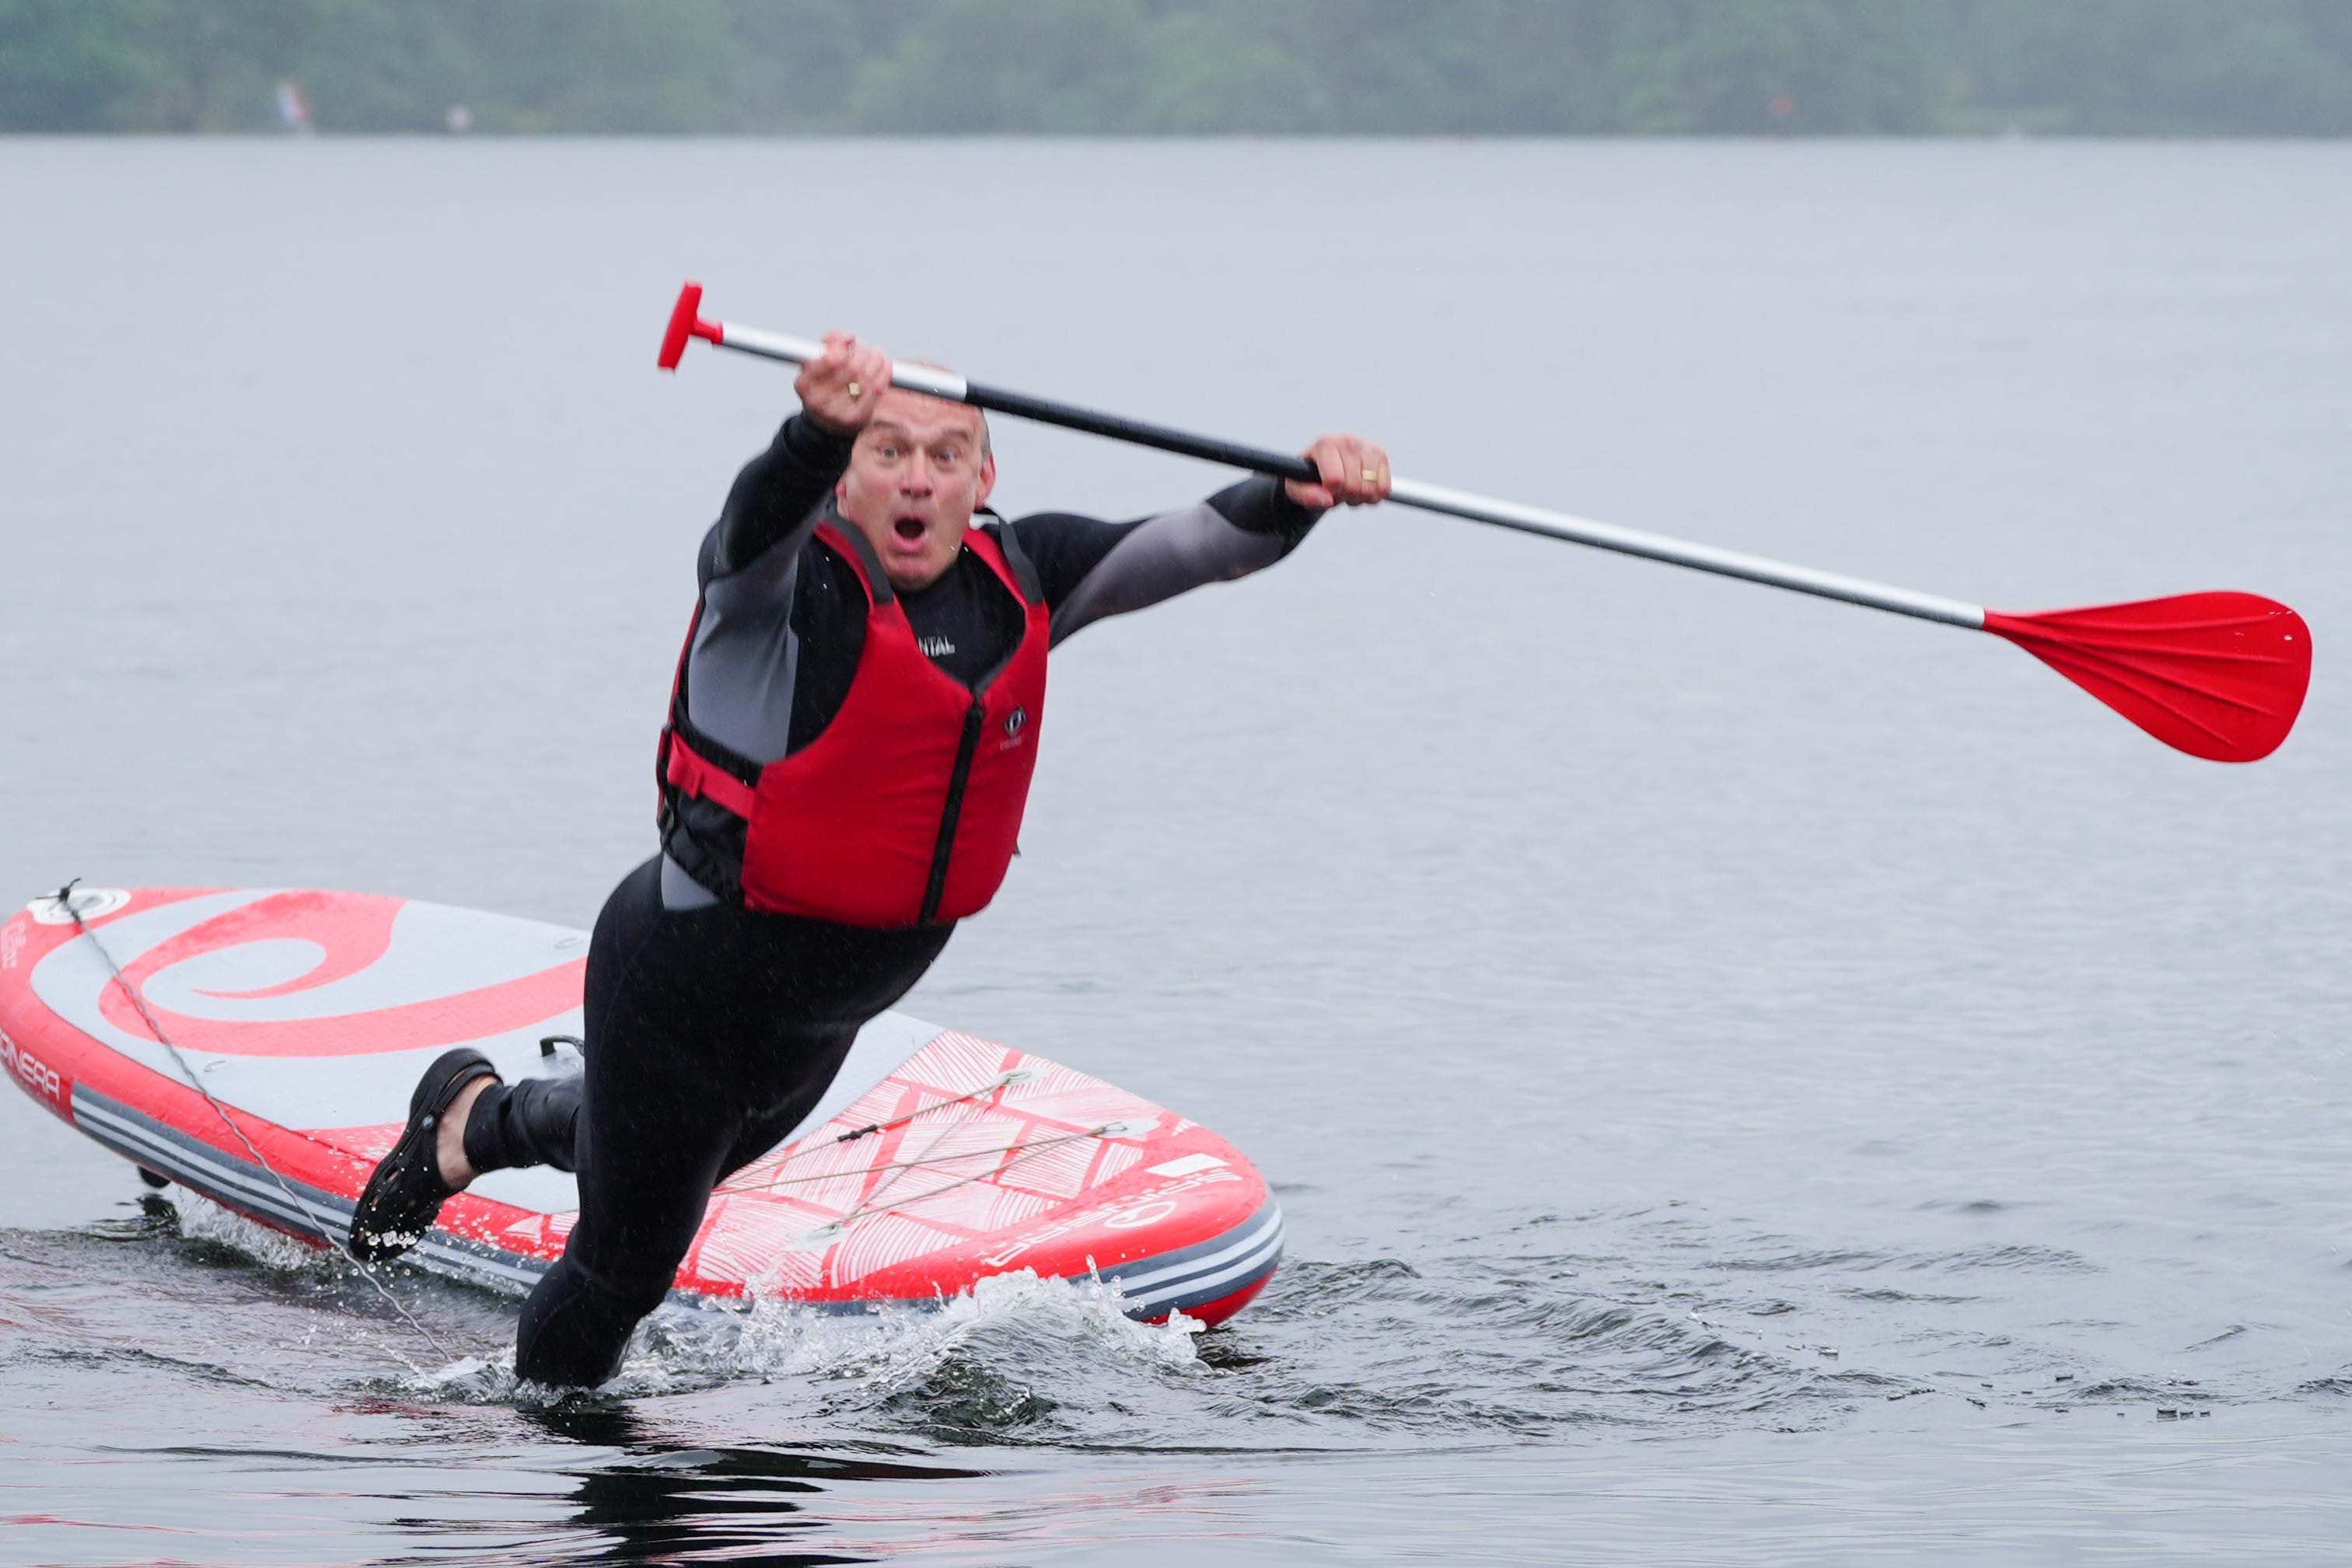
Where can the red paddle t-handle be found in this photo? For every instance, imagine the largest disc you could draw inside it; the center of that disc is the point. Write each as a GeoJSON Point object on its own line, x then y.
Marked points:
{"type": "Point", "coordinates": [685, 322]}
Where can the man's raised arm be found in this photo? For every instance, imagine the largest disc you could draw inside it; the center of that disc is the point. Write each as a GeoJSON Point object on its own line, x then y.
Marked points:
{"type": "Point", "coordinates": [776, 495]}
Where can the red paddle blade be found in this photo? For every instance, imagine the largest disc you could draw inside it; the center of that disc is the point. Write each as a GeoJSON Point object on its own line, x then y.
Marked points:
{"type": "Point", "coordinates": [2219, 675]}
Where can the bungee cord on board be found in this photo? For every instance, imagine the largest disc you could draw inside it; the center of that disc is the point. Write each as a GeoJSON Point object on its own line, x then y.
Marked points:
{"type": "Point", "coordinates": [1019, 1152]}
{"type": "Point", "coordinates": [984, 1098]}
{"type": "Point", "coordinates": [972, 1099]}
{"type": "Point", "coordinates": [326, 1232]}
{"type": "Point", "coordinates": [1023, 1149]}
{"type": "Point", "coordinates": [1002, 1080]}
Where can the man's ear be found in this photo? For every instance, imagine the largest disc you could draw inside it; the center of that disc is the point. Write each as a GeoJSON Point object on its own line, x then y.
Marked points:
{"type": "Point", "coordinates": [841, 490]}
{"type": "Point", "coordinates": [987, 481]}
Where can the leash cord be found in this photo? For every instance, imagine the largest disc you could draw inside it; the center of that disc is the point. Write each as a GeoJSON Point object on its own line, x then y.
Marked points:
{"type": "Point", "coordinates": [326, 1232]}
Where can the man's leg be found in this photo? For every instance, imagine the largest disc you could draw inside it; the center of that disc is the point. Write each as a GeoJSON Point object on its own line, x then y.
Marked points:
{"type": "Point", "coordinates": [651, 1147]}
{"type": "Point", "coordinates": [709, 1037]}
{"type": "Point", "coordinates": [618, 1266]}
{"type": "Point", "coordinates": [653, 1115]}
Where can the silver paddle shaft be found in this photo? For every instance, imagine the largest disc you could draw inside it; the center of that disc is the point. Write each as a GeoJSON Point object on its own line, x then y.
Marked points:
{"type": "Point", "coordinates": [1682, 552]}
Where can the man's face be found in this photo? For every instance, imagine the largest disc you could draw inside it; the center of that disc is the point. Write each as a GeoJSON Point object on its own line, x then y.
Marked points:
{"type": "Point", "coordinates": [916, 476]}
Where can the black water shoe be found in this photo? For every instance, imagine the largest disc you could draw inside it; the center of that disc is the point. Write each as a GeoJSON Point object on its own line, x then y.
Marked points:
{"type": "Point", "coordinates": [407, 1191]}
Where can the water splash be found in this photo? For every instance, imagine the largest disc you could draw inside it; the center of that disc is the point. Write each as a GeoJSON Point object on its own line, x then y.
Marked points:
{"type": "Point", "coordinates": [207, 1223]}
{"type": "Point", "coordinates": [987, 1362]}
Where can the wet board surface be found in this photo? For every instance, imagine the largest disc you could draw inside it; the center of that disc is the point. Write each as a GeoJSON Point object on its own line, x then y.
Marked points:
{"type": "Point", "coordinates": [936, 1159]}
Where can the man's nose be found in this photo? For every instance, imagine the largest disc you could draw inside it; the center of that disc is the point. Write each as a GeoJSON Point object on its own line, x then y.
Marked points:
{"type": "Point", "coordinates": [915, 476]}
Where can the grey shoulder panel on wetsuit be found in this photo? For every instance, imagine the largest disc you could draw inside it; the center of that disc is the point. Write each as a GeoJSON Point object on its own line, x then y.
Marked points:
{"type": "Point", "coordinates": [1161, 557]}
{"type": "Point", "coordinates": [746, 656]}
{"type": "Point", "coordinates": [740, 669]}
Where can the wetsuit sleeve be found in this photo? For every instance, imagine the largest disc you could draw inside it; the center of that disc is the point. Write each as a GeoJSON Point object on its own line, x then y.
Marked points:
{"type": "Point", "coordinates": [776, 497]}
{"type": "Point", "coordinates": [1089, 569]}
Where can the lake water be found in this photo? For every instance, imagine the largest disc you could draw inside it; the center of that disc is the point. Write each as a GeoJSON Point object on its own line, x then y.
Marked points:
{"type": "Point", "coordinates": [1751, 1079]}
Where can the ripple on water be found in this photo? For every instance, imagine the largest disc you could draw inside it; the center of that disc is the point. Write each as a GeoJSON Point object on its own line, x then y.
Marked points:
{"type": "Point", "coordinates": [1888, 1295]}
{"type": "Point", "coordinates": [2009, 1255]}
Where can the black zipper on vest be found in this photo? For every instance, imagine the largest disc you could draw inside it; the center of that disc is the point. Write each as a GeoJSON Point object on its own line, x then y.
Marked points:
{"type": "Point", "coordinates": [974, 719]}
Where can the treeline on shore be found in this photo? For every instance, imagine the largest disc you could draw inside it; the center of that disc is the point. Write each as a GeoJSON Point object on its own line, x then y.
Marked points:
{"type": "Point", "coordinates": [1182, 66]}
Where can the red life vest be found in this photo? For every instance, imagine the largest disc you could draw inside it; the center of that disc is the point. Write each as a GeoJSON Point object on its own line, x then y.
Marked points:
{"type": "Point", "coordinates": [905, 808]}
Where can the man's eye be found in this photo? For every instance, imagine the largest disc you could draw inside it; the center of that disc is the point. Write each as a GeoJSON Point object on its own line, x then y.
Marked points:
{"type": "Point", "coordinates": [887, 452]}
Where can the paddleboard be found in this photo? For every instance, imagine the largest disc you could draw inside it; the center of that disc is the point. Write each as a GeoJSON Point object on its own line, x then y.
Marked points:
{"type": "Point", "coordinates": [258, 1046]}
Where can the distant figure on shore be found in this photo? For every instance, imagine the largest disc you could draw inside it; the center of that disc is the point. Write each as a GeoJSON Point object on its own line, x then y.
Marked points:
{"type": "Point", "coordinates": [293, 109]}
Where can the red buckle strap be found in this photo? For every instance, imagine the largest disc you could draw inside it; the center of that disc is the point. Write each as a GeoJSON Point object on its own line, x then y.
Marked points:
{"type": "Point", "coordinates": [704, 779]}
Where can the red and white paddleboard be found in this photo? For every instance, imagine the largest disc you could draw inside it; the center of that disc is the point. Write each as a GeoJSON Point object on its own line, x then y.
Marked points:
{"type": "Point", "coordinates": [937, 1159]}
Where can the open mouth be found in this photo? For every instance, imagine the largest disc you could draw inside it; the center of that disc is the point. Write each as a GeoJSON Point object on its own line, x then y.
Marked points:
{"type": "Point", "coordinates": [910, 530]}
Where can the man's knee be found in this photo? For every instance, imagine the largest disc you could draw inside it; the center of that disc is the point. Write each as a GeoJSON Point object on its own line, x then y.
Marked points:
{"type": "Point", "coordinates": [575, 1327]}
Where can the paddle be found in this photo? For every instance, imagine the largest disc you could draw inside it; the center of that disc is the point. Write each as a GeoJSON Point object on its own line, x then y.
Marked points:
{"type": "Point", "coordinates": [2219, 675]}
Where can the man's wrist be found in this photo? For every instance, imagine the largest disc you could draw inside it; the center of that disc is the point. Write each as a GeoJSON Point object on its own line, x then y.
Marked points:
{"type": "Point", "coordinates": [812, 444]}
{"type": "Point", "coordinates": [1263, 506]}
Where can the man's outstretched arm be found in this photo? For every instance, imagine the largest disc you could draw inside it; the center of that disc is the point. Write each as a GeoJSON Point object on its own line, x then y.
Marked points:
{"type": "Point", "coordinates": [1090, 569]}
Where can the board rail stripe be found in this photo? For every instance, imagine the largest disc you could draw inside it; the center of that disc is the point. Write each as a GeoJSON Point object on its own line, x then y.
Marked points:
{"type": "Point", "coordinates": [1257, 1262]}
{"type": "Point", "coordinates": [1249, 1236]}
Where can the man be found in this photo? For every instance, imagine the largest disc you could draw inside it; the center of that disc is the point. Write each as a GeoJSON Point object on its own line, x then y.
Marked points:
{"type": "Point", "coordinates": [852, 732]}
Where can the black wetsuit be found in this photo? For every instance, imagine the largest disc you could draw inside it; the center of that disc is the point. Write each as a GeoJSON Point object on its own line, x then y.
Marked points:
{"type": "Point", "coordinates": [711, 1031]}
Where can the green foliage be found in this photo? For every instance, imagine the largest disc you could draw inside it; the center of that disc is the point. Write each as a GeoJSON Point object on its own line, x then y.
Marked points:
{"type": "Point", "coordinates": [1753, 65]}
{"type": "Point", "coordinates": [1188, 67]}
{"type": "Point", "coordinates": [61, 68]}
{"type": "Point", "coordinates": [148, 65]}
{"type": "Point", "coordinates": [2130, 67]}
{"type": "Point", "coordinates": [1053, 66]}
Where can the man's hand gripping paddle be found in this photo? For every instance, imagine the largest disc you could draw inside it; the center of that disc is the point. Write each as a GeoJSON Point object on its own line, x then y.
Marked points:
{"type": "Point", "coordinates": [2219, 675]}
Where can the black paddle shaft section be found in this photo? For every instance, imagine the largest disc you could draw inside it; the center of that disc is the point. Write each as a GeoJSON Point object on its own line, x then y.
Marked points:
{"type": "Point", "coordinates": [1258, 459]}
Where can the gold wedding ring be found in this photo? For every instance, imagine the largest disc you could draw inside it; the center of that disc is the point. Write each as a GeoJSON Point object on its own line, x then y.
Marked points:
{"type": "Point", "coordinates": [856, 391]}
{"type": "Point", "coordinates": [1371, 475]}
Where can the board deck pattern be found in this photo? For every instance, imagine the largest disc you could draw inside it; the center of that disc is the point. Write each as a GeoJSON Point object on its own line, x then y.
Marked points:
{"type": "Point", "coordinates": [937, 1160]}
